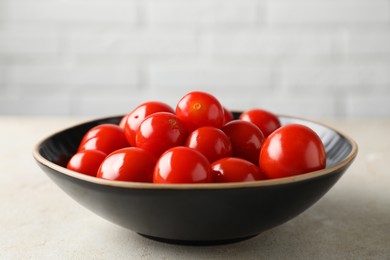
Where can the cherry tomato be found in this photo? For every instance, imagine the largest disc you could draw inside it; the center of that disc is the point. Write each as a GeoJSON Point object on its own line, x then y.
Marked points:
{"type": "Point", "coordinates": [232, 169]}
{"type": "Point", "coordinates": [159, 132]}
{"type": "Point", "coordinates": [228, 116]}
{"type": "Point", "coordinates": [265, 120]}
{"type": "Point", "coordinates": [128, 164]}
{"type": "Point", "coordinates": [291, 150]}
{"type": "Point", "coordinates": [122, 123]}
{"type": "Point", "coordinates": [246, 139]}
{"type": "Point", "coordinates": [197, 109]}
{"type": "Point", "coordinates": [86, 162]}
{"type": "Point", "coordinates": [135, 117]}
{"type": "Point", "coordinates": [105, 137]}
{"type": "Point", "coordinates": [182, 165]}
{"type": "Point", "coordinates": [211, 142]}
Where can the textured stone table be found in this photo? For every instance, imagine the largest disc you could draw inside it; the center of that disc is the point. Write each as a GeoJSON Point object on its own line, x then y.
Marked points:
{"type": "Point", "coordinates": [39, 221]}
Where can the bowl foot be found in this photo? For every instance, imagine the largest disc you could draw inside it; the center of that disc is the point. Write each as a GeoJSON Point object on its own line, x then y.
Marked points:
{"type": "Point", "coordinates": [198, 242]}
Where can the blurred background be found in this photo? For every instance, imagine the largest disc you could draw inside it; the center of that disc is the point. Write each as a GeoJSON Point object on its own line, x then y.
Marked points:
{"type": "Point", "coordinates": [311, 58]}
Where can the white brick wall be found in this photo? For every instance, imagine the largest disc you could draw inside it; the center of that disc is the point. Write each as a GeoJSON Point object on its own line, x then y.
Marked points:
{"type": "Point", "coordinates": [314, 58]}
{"type": "Point", "coordinates": [71, 11]}
{"type": "Point", "coordinates": [201, 13]}
{"type": "Point", "coordinates": [332, 12]}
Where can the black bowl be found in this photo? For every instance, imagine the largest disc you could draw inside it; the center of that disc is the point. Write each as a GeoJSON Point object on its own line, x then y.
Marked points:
{"type": "Point", "coordinates": [195, 213]}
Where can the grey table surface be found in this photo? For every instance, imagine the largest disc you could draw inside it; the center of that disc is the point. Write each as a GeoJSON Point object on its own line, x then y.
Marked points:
{"type": "Point", "coordinates": [39, 221]}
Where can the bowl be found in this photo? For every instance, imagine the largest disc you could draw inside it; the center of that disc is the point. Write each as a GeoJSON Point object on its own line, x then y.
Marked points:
{"type": "Point", "coordinates": [201, 214]}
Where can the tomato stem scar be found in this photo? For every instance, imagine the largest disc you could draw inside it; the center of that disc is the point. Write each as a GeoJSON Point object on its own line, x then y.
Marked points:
{"type": "Point", "coordinates": [197, 106]}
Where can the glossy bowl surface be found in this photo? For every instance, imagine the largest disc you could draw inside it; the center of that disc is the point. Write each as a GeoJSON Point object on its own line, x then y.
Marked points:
{"type": "Point", "coordinates": [195, 213]}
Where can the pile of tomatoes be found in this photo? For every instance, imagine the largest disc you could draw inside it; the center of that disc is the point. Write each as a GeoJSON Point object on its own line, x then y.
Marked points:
{"type": "Point", "coordinates": [197, 142]}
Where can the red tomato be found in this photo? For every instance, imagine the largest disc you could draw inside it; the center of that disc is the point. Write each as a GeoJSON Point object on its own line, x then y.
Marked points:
{"type": "Point", "coordinates": [211, 142]}
{"type": "Point", "coordinates": [291, 150]}
{"type": "Point", "coordinates": [159, 132]}
{"type": "Point", "coordinates": [86, 162]}
{"type": "Point", "coordinates": [135, 117]}
{"type": "Point", "coordinates": [246, 139]}
{"type": "Point", "coordinates": [105, 137]}
{"type": "Point", "coordinates": [233, 169]}
{"type": "Point", "coordinates": [228, 116]}
{"type": "Point", "coordinates": [197, 109]}
{"type": "Point", "coordinates": [182, 165]}
{"type": "Point", "coordinates": [128, 164]}
{"type": "Point", "coordinates": [266, 121]}
{"type": "Point", "coordinates": [122, 123]}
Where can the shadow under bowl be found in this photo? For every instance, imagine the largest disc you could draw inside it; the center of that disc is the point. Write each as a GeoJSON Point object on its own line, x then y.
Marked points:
{"type": "Point", "coordinates": [200, 214]}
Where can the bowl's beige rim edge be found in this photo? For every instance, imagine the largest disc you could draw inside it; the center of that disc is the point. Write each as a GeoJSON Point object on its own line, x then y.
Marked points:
{"type": "Point", "coordinates": [138, 185]}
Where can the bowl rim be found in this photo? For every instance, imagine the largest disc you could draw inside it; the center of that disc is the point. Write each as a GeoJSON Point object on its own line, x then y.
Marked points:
{"type": "Point", "coordinates": [198, 186]}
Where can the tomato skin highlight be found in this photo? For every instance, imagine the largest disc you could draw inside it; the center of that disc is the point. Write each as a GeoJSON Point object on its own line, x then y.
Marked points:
{"type": "Point", "coordinates": [105, 137]}
{"type": "Point", "coordinates": [292, 150]}
{"type": "Point", "coordinates": [211, 142]}
{"type": "Point", "coordinates": [182, 165]}
{"type": "Point", "coordinates": [128, 164]}
{"type": "Point", "coordinates": [123, 121]}
{"type": "Point", "coordinates": [159, 132]}
{"type": "Point", "coordinates": [137, 115]}
{"type": "Point", "coordinates": [197, 109]}
{"type": "Point", "coordinates": [232, 169]}
{"type": "Point", "coordinates": [86, 162]}
{"type": "Point", "coordinates": [265, 120]}
{"type": "Point", "coordinates": [246, 139]}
